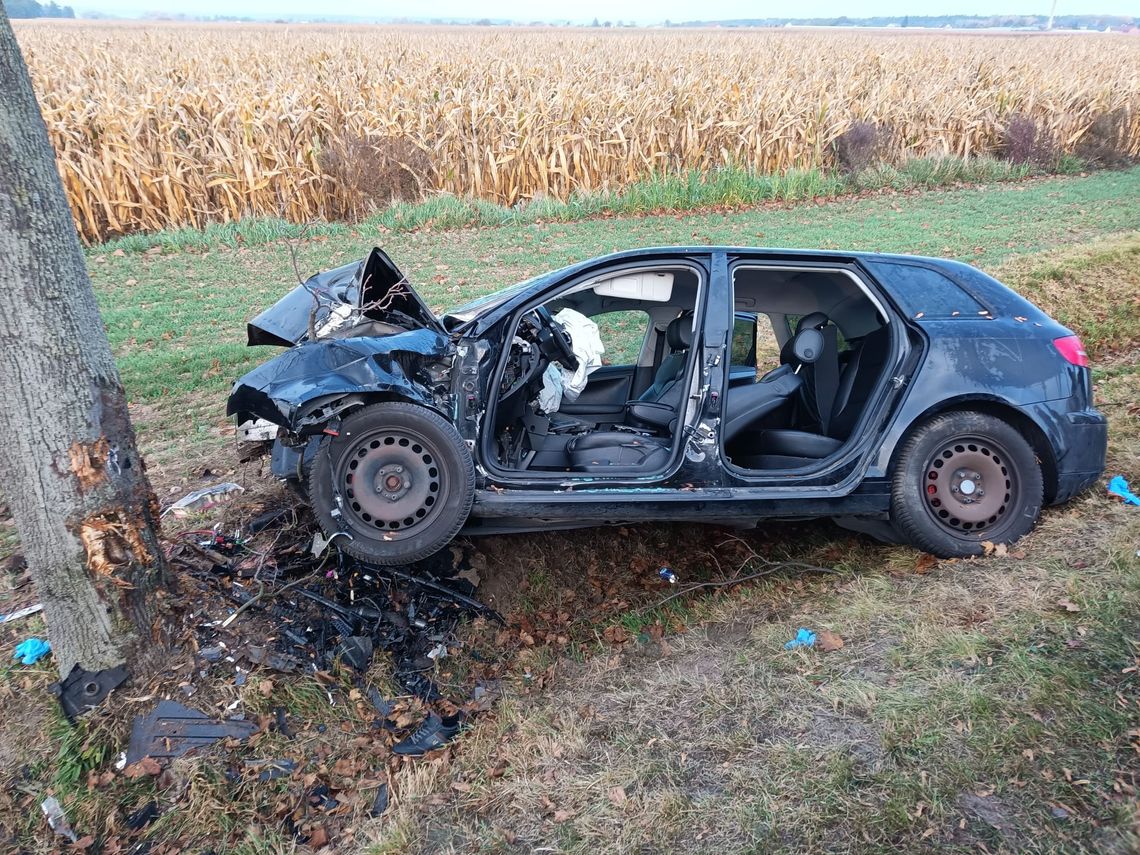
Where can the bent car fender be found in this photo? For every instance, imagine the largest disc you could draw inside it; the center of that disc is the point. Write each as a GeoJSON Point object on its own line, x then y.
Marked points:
{"type": "Point", "coordinates": [415, 365]}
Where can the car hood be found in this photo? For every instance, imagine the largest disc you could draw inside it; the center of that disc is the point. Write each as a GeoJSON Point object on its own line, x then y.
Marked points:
{"type": "Point", "coordinates": [372, 288]}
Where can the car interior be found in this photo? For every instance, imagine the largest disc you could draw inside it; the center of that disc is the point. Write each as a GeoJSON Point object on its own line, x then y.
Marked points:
{"type": "Point", "coordinates": [626, 417]}
{"type": "Point", "coordinates": [809, 349]}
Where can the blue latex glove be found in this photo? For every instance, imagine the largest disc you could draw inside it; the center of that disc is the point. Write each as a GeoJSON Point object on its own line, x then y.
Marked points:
{"type": "Point", "coordinates": [1118, 486]}
{"type": "Point", "coordinates": [804, 638]}
{"type": "Point", "coordinates": [31, 651]}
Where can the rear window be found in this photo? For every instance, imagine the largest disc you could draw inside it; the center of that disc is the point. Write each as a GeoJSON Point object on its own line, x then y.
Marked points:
{"type": "Point", "coordinates": [923, 292]}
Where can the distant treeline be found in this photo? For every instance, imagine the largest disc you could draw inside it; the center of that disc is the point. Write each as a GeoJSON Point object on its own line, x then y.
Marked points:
{"type": "Point", "coordinates": [32, 9]}
{"type": "Point", "coordinates": [963, 22]}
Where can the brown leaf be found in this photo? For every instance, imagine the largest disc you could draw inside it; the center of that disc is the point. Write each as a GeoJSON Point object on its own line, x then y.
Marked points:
{"type": "Point", "coordinates": [828, 641]}
{"type": "Point", "coordinates": [146, 766]}
{"type": "Point", "coordinates": [616, 635]}
{"type": "Point", "coordinates": [924, 563]}
{"type": "Point", "coordinates": [265, 687]}
{"type": "Point", "coordinates": [318, 838]}
{"type": "Point", "coordinates": [988, 547]}
{"type": "Point", "coordinates": [562, 815]}
{"type": "Point", "coordinates": [617, 795]}
{"type": "Point", "coordinates": [1068, 605]}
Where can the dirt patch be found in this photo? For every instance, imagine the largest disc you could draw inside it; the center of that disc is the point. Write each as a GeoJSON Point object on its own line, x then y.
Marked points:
{"type": "Point", "coordinates": [993, 812]}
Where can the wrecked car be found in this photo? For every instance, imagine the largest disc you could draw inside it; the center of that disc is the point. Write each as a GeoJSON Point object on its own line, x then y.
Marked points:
{"type": "Point", "coordinates": [915, 399]}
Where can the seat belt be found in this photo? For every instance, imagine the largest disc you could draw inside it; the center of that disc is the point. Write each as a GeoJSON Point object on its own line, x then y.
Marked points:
{"type": "Point", "coordinates": [827, 376]}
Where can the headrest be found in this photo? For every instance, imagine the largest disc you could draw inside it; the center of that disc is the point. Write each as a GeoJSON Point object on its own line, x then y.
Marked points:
{"type": "Point", "coordinates": [812, 321]}
{"type": "Point", "coordinates": [807, 345]}
{"type": "Point", "coordinates": [679, 333]}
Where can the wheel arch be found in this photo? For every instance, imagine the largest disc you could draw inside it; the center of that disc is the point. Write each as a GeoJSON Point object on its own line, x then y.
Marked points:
{"type": "Point", "coordinates": [998, 408]}
{"type": "Point", "coordinates": [317, 412]}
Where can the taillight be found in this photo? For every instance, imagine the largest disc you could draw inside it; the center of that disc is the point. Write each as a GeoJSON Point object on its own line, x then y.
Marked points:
{"type": "Point", "coordinates": [1070, 347]}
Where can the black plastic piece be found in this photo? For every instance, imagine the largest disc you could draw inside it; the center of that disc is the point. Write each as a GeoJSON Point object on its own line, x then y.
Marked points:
{"type": "Point", "coordinates": [172, 730]}
{"type": "Point", "coordinates": [81, 691]}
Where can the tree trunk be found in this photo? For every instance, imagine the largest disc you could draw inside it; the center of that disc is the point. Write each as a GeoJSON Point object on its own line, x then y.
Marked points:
{"type": "Point", "coordinates": [77, 488]}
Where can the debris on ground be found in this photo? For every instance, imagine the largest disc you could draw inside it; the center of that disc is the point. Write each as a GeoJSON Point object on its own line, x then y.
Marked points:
{"type": "Point", "coordinates": [435, 732]}
{"type": "Point", "coordinates": [271, 770]}
{"type": "Point", "coordinates": [172, 730]}
{"type": "Point", "coordinates": [380, 803]}
{"type": "Point", "coordinates": [667, 575]}
{"type": "Point", "coordinates": [204, 499]}
{"type": "Point", "coordinates": [57, 819]}
{"type": "Point", "coordinates": [306, 610]}
{"type": "Point", "coordinates": [31, 650]}
{"type": "Point", "coordinates": [804, 638]}
{"type": "Point", "coordinates": [144, 816]}
{"type": "Point", "coordinates": [21, 613]}
{"type": "Point", "coordinates": [1118, 487]}
{"type": "Point", "coordinates": [81, 690]}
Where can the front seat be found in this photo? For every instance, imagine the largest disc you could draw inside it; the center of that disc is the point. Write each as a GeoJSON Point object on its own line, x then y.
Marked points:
{"type": "Point", "coordinates": [607, 450]}
{"type": "Point", "coordinates": [657, 406]}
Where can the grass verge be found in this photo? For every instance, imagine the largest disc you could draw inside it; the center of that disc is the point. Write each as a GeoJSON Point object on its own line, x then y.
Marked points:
{"type": "Point", "coordinates": [732, 187]}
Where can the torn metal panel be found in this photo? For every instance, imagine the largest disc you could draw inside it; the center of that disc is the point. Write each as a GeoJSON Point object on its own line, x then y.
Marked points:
{"type": "Point", "coordinates": [413, 365]}
{"type": "Point", "coordinates": [341, 299]}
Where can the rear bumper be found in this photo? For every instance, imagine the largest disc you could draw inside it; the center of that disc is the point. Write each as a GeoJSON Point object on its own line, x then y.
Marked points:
{"type": "Point", "coordinates": [1081, 459]}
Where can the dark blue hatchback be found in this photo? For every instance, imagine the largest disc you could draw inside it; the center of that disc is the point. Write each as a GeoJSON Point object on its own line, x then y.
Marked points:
{"type": "Point", "coordinates": [916, 399]}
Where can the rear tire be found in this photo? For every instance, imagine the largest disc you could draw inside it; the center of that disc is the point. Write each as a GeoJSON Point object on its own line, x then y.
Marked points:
{"type": "Point", "coordinates": [399, 479]}
{"type": "Point", "coordinates": [962, 479]}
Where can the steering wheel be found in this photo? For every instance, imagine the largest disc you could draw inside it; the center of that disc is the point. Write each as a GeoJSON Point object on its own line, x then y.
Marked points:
{"type": "Point", "coordinates": [563, 346]}
{"type": "Point", "coordinates": [527, 375]}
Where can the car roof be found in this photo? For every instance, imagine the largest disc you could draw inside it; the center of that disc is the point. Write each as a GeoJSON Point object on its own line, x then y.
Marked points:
{"type": "Point", "coordinates": [979, 281]}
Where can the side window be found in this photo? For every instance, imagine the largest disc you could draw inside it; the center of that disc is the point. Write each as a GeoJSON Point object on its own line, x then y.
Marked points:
{"type": "Point", "coordinates": [754, 344]}
{"type": "Point", "coordinates": [623, 334]}
{"type": "Point", "coordinates": [744, 341]}
{"type": "Point", "coordinates": [923, 292]}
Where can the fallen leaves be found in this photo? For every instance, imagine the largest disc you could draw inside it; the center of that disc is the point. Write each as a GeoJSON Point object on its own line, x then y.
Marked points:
{"type": "Point", "coordinates": [1068, 605]}
{"type": "Point", "coordinates": [924, 563]}
{"type": "Point", "coordinates": [146, 766]}
{"type": "Point", "coordinates": [828, 641]}
{"type": "Point", "coordinates": [616, 634]}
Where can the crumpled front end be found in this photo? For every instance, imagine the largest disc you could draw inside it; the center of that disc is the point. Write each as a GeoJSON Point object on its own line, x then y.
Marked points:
{"type": "Point", "coordinates": [311, 383]}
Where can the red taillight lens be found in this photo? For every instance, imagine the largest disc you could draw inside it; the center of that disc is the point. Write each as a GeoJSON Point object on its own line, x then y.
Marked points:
{"type": "Point", "coordinates": [1071, 348]}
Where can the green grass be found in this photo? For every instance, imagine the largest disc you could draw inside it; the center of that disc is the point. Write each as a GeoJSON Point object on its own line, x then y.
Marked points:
{"type": "Point", "coordinates": [675, 192]}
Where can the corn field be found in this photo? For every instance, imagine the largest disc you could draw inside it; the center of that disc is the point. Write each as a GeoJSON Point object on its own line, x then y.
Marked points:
{"type": "Point", "coordinates": [162, 125]}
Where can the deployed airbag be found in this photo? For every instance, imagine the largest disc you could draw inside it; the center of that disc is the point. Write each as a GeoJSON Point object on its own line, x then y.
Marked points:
{"type": "Point", "coordinates": [586, 342]}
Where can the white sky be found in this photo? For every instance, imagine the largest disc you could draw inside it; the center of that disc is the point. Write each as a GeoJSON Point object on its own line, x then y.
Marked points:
{"type": "Point", "coordinates": [642, 11]}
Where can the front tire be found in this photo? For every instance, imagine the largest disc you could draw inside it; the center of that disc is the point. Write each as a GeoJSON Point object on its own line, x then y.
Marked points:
{"type": "Point", "coordinates": [962, 479]}
{"type": "Point", "coordinates": [398, 478]}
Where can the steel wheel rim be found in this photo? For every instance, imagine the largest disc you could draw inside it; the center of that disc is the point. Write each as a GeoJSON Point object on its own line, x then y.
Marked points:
{"type": "Point", "coordinates": [969, 486]}
{"type": "Point", "coordinates": [392, 483]}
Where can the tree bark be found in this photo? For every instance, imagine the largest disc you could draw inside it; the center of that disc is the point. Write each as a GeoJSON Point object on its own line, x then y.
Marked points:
{"type": "Point", "coordinates": [84, 510]}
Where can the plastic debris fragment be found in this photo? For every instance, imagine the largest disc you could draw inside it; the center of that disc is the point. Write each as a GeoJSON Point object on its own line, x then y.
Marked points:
{"type": "Point", "coordinates": [804, 638]}
{"type": "Point", "coordinates": [57, 819]}
{"type": "Point", "coordinates": [667, 575]}
{"type": "Point", "coordinates": [21, 613]}
{"type": "Point", "coordinates": [1119, 487]}
{"type": "Point", "coordinates": [204, 499]}
{"type": "Point", "coordinates": [31, 650]}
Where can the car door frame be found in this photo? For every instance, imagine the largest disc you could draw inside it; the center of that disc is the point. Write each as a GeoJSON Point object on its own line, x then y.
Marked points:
{"type": "Point", "coordinates": [492, 477]}
{"type": "Point", "coordinates": [844, 472]}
